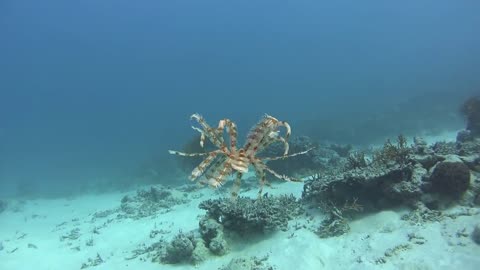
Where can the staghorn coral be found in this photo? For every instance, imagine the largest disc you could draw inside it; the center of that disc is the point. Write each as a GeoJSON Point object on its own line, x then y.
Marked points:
{"type": "Point", "coordinates": [398, 153]}
{"type": "Point", "coordinates": [356, 160]}
{"type": "Point", "coordinates": [220, 163]}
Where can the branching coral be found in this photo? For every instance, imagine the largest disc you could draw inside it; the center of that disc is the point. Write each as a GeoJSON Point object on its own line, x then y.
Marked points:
{"type": "Point", "coordinates": [393, 153]}
{"type": "Point", "coordinates": [356, 160]}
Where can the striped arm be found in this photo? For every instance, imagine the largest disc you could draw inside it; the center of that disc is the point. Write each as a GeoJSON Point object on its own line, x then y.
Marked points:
{"type": "Point", "coordinates": [211, 133]}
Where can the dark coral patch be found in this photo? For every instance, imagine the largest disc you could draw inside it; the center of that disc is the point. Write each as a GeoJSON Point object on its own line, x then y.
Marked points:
{"type": "Point", "coordinates": [451, 178]}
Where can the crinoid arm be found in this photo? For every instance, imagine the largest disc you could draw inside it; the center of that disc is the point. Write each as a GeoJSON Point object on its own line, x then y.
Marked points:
{"type": "Point", "coordinates": [200, 169]}
{"type": "Point", "coordinates": [288, 156]}
{"type": "Point", "coordinates": [271, 138]}
{"type": "Point", "coordinates": [236, 186]}
{"type": "Point", "coordinates": [260, 174]}
{"type": "Point", "coordinates": [173, 152]}
{"type": "Point", "coordinates": [218, 174]}
{"type": "Point", "coordinates": [212, 134]}
{"type": "Point", "coordinates": [265, 133]}
{"type": "Point", "coordinates": [279, 176]}
{"type": "Point", "coordinates": [202, 136]}
{"type": "Point", "coordinates": [232, 132]}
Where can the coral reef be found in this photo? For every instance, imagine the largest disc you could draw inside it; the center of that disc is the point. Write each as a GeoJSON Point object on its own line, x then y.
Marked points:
{"type": "Point", "coordinates": [419, 176]}
{"type": "Point", "coordinates": [392, 154]}
{"type": "Point", "coordinates": [3, 206]}
{"type": "Point", "coordinates": [252, 216]}
{"type": "Point", "coordinates": [148, 202]}
{"type": "Point", "coordinates": [471, 110]}
{"type": "Point", "coordinates": [356, 160]}
{"type": "Point", "coordinates": [450, 178]}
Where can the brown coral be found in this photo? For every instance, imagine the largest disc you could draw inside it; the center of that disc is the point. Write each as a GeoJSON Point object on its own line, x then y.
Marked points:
{"type": "Point", "coordinates": [451, 178]}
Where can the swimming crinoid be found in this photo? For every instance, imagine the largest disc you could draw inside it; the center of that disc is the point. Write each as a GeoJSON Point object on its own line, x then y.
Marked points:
{"type": "Point", "coordinates": [224, 161]}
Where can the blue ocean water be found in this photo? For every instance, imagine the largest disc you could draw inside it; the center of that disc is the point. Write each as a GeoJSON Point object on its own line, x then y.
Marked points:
{"type": "Point", "coordinates": [95, 89]}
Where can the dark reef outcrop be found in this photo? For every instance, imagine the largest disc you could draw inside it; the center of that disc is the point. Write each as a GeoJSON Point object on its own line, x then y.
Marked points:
{"type": "Point", "coordinates": [3, 206]}
{"type": "Point", "coordinates": [471, 111]}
